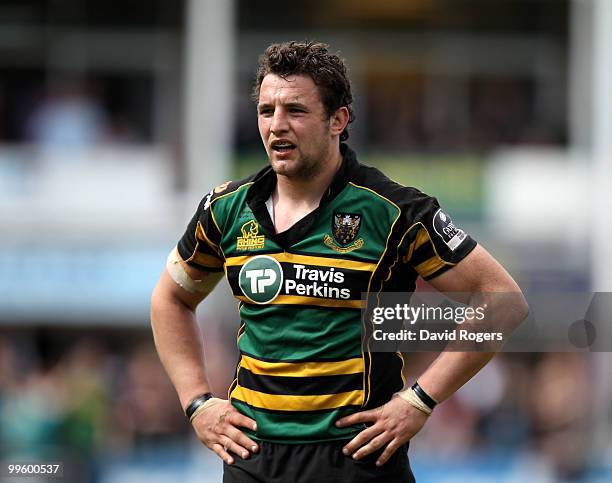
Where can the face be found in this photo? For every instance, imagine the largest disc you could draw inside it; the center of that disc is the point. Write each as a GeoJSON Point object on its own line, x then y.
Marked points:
{"type": "Point", "coordinates": [298, 135]}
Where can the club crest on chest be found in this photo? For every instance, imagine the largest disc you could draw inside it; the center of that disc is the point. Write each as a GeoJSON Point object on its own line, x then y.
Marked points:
{"type": "Point", "coordinates": [345, 228]}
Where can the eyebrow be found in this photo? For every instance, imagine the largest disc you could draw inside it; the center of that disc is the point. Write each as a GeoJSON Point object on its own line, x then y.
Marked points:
{"type": "Point", "coordinates": [288, 105]}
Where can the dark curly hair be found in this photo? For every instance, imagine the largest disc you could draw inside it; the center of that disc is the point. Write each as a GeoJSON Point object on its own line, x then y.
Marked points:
{"type": "Point", "coordinates": [327, 70]}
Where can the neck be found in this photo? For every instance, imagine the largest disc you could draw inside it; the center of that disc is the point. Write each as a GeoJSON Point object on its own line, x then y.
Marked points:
{"type": "Point", "coordinates": [308, 191]}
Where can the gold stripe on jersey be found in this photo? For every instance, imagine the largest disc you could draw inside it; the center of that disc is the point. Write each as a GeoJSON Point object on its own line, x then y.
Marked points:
{"type": "Point", "coordinates": [286, 402]}
{"type": "Point", "coordinates": [316, 301]}
{"type": "Point", "coordinates": [367, 380]}
{"type": "Point", "coordinates": [207, 260]}
{"type": "Point", "coordinates": [421, 238]}
{"type": "Point", "coordinates": [201, 235]}
{"type": "Point", "coordinates": [303, 369]}
{"type": "Point", "coordinates": [306, 260]}
{"type": "Point", "coordinates": [430, 266]}
{"type": "Point", "coordinates": [240, 333]}
{"type": "Point", "coordinates": [229, 193]}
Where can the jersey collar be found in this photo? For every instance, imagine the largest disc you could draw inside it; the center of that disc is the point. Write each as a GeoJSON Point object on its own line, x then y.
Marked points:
{"type": "Point", "coordinates": [265, 181]}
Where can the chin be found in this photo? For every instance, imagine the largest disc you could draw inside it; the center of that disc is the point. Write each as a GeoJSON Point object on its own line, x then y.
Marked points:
{"type": "Point", "coordinates": [285, 167]}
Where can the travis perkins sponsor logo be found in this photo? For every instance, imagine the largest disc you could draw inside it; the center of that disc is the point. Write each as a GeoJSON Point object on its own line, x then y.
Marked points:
{"type": "Point", "coordinates": [262, 278]}
{"type": "Point", "coordinates": [319, 283]}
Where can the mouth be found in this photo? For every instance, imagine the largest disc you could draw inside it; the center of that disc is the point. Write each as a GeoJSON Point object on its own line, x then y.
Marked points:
{"type": "Point", "coordinates": [282, 146]}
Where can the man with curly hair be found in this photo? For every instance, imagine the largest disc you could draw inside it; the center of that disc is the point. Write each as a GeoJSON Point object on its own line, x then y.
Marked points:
{"type": "Point", "coordinates": [299, 242]}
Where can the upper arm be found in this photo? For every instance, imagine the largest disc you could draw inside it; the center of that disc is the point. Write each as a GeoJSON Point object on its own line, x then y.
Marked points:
{"type": "Point", "coordinates": [477, 272]}
{"type": "Point", "coordinates": [448, 258]}
{"type": "Point", "coordinates": [474, 281]}
{"type": "Point", "coordinates": [169, 290]}
{"type": "Point", "coordinates": [433, 244]}
{"type": "Point", "coordinates": [199, 246]}
{"type": "Point", "coordinates": [196, 264]}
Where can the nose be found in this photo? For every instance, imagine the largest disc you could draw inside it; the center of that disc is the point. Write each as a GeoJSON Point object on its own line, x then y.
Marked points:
{"type": "Point", "coordinates": [279, 122]}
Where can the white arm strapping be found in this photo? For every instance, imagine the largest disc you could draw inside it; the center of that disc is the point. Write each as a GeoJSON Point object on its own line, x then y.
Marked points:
{"type": "Point", "coordinates": [174, 265]}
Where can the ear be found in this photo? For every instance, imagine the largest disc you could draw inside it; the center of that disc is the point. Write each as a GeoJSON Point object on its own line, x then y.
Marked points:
{"type": "Point", "coordinates": [338, 121]}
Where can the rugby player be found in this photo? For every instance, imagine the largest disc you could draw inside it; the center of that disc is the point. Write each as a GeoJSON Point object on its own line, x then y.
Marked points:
{"type": "Point", "coordinates": [299, 242]}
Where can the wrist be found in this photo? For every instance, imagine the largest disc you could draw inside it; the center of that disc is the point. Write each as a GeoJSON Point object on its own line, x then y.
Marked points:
{"type": "Point", "coordinates": [427, 399]}
{"type": "Point", "coordinates": [196, 403]}
{"type": "Point", "coordinates": [418, 398]}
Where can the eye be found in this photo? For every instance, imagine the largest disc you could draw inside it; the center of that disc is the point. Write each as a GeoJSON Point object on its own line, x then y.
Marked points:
{"type": "Point", "coordinates": [266, 111]}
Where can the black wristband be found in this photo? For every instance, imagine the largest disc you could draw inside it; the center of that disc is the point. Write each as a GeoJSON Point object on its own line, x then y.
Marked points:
{"type": "Point", "coordinates": [423, 396]}
{"type": "Point", "coordinates": [196, 403]}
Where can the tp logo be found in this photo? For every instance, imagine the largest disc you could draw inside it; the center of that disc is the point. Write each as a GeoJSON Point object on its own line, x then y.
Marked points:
{"type": "Point", "coordinates": [261, 279]}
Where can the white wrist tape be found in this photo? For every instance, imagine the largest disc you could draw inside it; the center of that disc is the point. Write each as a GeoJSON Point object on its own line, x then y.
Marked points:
{"type": "Point", "coordinates": [411, 398]}
{"type": "Point", "coordinates": [206, 405]}
{"type": "Point", "coordinates": [174, 265]}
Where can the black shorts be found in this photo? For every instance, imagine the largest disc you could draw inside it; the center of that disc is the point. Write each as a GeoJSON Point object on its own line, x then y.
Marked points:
{"type": "Point", "coordinates": [316, 463]}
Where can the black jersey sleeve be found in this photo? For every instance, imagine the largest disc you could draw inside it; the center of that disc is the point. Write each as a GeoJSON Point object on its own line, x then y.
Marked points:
{"type": "Point", "coordinates": [436, 243]}
{"type": "Point", "coordinates": [199, 245]}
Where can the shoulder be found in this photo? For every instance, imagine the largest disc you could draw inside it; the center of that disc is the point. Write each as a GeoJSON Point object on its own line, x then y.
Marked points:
{"type": "Point", "coordinates": [226, 190]}
{"type": "Point", "coordinates": [229, 190]}
{"type": "Point", "coordinates": [407, 199]}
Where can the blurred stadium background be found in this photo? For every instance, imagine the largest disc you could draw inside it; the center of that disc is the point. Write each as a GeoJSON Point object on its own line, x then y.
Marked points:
{"type": "Point", "coordinates": [116, 119]}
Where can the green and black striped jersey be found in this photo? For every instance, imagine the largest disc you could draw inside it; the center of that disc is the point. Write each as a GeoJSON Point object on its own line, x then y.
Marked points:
{"type": "Point", "coordinates": [303, 364]}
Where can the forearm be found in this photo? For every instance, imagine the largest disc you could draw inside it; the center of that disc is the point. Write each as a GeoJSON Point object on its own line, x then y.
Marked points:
{"type": "Point", "coordinates": [454, 366]}
{"type": "Point", "coordinates": [178, 341]}
{"type": "Point", "coordinates": [450, 371]}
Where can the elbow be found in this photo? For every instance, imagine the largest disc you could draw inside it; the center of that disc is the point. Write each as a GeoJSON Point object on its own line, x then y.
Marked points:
{"type": "Point", "coordinates": [154, 304]}
{"type": "Point", "coordinates": [516, 306]}
{"type": "Point", "coordinates": [519, 305]}
{"type": "Point", "coordinates": [521, 308]}
{"type": "Point", "coordinates": [508, 305]}
{"type": "Point", "coordinates": [524, 307]}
